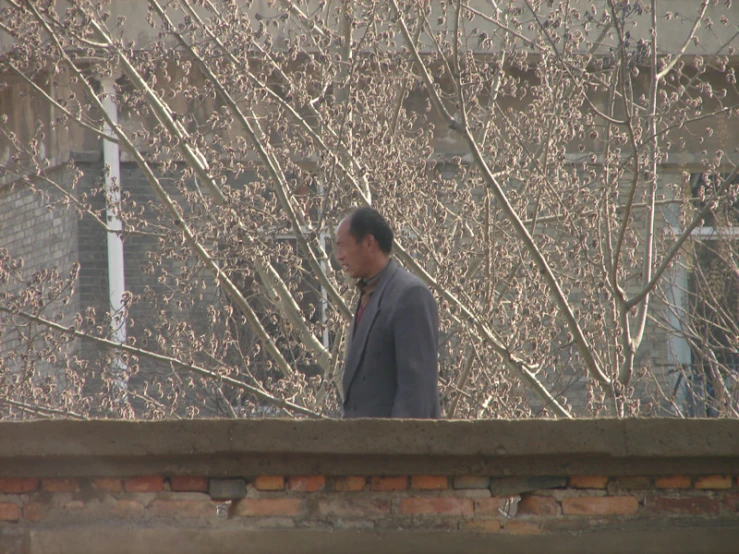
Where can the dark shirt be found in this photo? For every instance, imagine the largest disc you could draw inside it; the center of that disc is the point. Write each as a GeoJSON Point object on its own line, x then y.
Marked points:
{"type": "Point", "coordinates": [366, 288]}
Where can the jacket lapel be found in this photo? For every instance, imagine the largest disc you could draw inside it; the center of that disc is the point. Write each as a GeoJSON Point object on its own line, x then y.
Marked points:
{"type": "Point", "coordinates": [357, 340]}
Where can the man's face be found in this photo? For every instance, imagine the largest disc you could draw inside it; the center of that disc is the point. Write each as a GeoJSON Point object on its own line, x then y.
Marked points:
{"type": "Point", "coordinates": [352, 255]}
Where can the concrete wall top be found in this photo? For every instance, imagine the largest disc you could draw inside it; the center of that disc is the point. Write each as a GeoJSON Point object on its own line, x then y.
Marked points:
{"type": "Point", "coordinates": [229, 447]}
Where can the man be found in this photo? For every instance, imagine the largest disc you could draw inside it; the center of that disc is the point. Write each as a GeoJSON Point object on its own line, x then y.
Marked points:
{"type": "Point", "coordinates": [391, 363]}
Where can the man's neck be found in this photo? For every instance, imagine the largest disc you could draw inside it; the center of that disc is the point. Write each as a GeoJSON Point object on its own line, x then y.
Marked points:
{"type": "Point", "coordinates": [377, 269]}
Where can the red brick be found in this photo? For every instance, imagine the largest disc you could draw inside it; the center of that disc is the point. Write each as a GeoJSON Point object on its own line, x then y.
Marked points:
{"type": "Point", "coordinates": [306, 483]}
{"type": "Point", "coordinates": [471, 482]}
{"type": "Point", "coordinates": [588, 482]}
{"type": "Point", "coordinates": [35, 511]}
{"type": "Point", "coordinates": [481, 525]}
{"type": "Point", "coordinates": [488, 506]}
{"type": "Point", "coordinates": [269, 483]}
{"type": "Point", "coordinates": [429, 482]}
{"type": "Point", "coordinates": [350, 484]}
{"type": "Point", "coordinates": [18, 485]}
{"type": "Point", "coordinates": [9, 512]}
{"type": "Point", "coordinates": [697, 505]}
{"type": "Point", "coordinates": [380, 484]}
{"type": "Point", "coordinates": [60, 485]}
{"type": "Point", "coordinates": [188, 483]}
{"type": "Point", "coordinates": [268, 507]}
{"type": "Point", "coordinates": [148, 483]}
{"type": "Point", "coordinates": [128, 508]}
{"type": "Point", "coordinates": [673, 482]}
{"type": "Point", "coordinates": [599, 505]}
{"type": "Point", "coordinates": [522, 528]}
{"type": "Point", "coordinates": [436, 506]}
{"type": "Point", "coordinates": [538, 505]}
{"type": "Point", "coordinates": [108, 484]}
{"type": "Point", "coordinates": [183, 508]}
{"type": "Point", "coordinates": [354, 506]}
{"type": "Point", "coordinates": [714, 482]}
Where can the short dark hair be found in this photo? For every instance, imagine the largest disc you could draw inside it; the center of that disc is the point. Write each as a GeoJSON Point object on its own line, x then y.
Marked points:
{"type": "Point", "coordinates": [368, 221]}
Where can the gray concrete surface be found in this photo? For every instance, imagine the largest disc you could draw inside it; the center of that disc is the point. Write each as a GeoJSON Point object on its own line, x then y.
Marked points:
{"type": "Point", "coordinates": [335, 447]}
{"type": "Point", "coordinates": [118, 540]}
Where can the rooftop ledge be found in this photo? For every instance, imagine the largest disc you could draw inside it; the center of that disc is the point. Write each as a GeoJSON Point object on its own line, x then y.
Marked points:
{"type": "Point", "coordinates": [216, 448]}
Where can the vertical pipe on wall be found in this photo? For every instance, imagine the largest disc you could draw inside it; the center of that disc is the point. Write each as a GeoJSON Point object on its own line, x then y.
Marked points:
{"type": "Point", "coordinates": [324, 267]}
{"type": "Point", "coordinates": [679, 356]}
{"type": "Point", "coordinates": [116, 278]}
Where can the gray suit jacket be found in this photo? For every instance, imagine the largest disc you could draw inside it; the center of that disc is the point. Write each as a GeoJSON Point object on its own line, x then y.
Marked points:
{"type": "Point", "coordinates": [391, 363]}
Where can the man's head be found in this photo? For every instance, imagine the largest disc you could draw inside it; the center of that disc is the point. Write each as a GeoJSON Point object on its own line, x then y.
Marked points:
{"type": "Point", "coordinates": [364, 240]}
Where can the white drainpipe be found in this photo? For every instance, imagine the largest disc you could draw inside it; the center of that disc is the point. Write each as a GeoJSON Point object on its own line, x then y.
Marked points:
{"type": "Point", "coordinates": [322, 235]}
{"type": "Point", "coordinates": [116, 279]}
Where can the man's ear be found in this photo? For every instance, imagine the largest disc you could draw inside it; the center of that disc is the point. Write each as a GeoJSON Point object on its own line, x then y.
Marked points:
{"type": "Point", "coordinates": [371, 241]}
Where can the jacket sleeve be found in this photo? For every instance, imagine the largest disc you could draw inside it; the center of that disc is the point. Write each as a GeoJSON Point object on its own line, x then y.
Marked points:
{"type": "Point", "coordinates": [416, 333]}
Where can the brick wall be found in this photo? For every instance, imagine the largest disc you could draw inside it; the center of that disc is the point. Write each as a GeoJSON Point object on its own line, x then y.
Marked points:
{"type": "Point", "coordinates": [413, 503]}
{"type": "Point", "coordinates": [465, 502]}
{"type": "Point", "coordinates": [35, 229]}
{"type": "Point", "coordinates": [368, 502]}
{"type": "Point", "coordinates": [233, 477]}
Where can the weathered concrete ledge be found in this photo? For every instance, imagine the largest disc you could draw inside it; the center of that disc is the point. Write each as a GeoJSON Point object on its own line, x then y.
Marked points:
{"type": "Point", "coordinates": [675, 540]}
{"type": "Point", "coordinates": [374, 447]}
